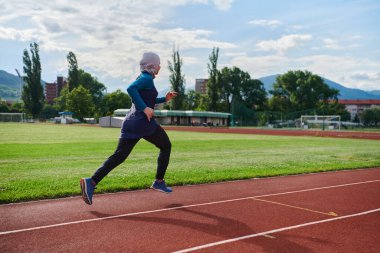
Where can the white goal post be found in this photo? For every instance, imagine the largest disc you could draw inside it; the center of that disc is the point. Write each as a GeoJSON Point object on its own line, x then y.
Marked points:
{"type": "Point", "coordinates": [329, 122]}
{"type": "Point", "coordinates": [12, 117]}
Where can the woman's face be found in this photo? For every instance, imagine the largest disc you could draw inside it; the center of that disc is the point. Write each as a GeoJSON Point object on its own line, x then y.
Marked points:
{"type": "Point", "coordinates": [158, 69]}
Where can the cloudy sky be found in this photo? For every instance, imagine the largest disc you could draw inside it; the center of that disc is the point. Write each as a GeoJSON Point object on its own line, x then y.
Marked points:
{"type": "Point", "coordinates": [337, 39]}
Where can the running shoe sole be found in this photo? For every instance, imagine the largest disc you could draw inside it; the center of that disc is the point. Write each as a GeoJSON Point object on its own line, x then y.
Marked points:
{"type": "Point", "coordinates": [159, 190]}
{"type": "Point", "coordinates": [83, 186]}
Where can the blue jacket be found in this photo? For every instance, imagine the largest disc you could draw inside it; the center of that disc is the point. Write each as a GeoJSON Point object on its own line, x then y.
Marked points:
{"type": "Point", "coordinates": [144, 94]}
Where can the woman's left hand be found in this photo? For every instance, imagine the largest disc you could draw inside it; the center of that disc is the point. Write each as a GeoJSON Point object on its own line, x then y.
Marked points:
{"type": "Point", "coordinates": [170, 95]}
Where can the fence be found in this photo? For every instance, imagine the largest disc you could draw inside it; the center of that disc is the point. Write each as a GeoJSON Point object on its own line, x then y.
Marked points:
{"type": "Point", "coordinates": [244, 116]}
{"type": "Point", "coordinates": [12, 117]}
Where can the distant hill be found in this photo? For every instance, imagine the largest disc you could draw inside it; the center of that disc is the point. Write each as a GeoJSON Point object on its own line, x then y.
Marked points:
{"type": "Point", "coordinates": [345, 93]}
{"type": "Point", "coordinates": [10, 86]}
{"type": "Point", "coordinates": [9, 79]}
{"type": "Point", "coordinates": [375, 92]}
{"type": "Point", "coordinates": [268, 82]}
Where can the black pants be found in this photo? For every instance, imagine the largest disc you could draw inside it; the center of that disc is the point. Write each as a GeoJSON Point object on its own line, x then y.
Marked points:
{"type": "Point", "coordinates": [159, 138]}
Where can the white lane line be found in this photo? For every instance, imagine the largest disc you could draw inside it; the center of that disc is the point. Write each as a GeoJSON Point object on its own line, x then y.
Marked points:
{"type": "Point", "coordinates": [179, 207]}
{"type": "Point", "coordinates": [315, 189]}
{"type": "Point", "coordinates": [274, 231]}
{"type": "Point", "coordinates": [296, 207]}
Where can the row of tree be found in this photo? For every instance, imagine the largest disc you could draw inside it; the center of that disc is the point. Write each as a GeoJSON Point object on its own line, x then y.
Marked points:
{"type": "Point", "coordinates": [84, 95]}
{"type": "Point", "coordinates": [234, 91]}
{"type": "Point", "coordinates": [223, 87]}
{"type": "Point", "coordinates": [229, 90]}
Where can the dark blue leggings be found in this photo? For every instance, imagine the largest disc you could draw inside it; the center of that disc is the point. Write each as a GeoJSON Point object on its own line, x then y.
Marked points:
{"type": "Point", "coordinates": [159, 138]}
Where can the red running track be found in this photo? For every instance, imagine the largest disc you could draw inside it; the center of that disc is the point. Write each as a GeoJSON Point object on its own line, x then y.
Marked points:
{"type": "Point", "coordinates": [326, 212]}
{"type": "Point", "coordinates": [295, 132]}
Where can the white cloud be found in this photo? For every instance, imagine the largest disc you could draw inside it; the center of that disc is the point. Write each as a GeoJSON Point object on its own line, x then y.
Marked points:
{"type": "Point", "coordinates": [234, 54]}
{"type": "Point", "coordinates": [265, 22]}
{"type": "Point", "coordinates": [107, 37]}
{"type": "Point", "coordinates": [355, 37]}
{"type": "Point", "coordinates": [342, 44]}
{"type": "Point", "coordinates": [284, 43]}
{"type": "Point", "coordinates": [223, 5]}
{"type": "Point", "coordinates": [366, 76]}
{"type": "Point", "coordinates": [332, 44]}
{"type": "Point", "coordinates": [13, 34]}
{"type": "Point", "coordinates": [297, 27]}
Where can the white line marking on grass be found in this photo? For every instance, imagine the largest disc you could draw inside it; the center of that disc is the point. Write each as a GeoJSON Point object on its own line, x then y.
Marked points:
{"type": "Point", "coordinates": [274, 231]}
{"type": "Point", "coordinates": [179, 207]}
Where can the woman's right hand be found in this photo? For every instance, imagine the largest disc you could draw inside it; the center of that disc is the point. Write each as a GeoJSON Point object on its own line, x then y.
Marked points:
{"type": "Point", "coordinates": [149, 112]}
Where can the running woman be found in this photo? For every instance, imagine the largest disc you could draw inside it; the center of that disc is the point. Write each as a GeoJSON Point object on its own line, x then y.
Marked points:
{"type": "Point", "coordinates": [138, 123]}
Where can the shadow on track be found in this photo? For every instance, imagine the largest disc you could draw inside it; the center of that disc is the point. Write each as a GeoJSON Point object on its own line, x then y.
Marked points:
{"type": "Point", "coordinates": [225, 228]}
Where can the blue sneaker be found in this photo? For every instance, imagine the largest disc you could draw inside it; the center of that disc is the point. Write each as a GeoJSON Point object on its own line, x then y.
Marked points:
{"type": "Point", "coordinates": [161, 186]}
{"type": "Point", "coordinates": [88, 187]}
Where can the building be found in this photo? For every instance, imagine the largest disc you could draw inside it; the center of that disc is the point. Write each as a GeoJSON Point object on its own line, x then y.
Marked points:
{"type": "Point", "coordinates": [356, 107]}
{"type": "Point", "coordinates": [53, 90]}
{"type": "Point", "coordinates": [201, 86]}
{"type": "Point", "coordinates": [173, 117]}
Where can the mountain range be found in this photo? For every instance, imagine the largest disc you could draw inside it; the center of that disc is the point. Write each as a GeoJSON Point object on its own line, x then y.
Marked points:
{"type": "Point", "coordinates": [9, 88]}
{"type": "Point", "coordinates": [345, 93]}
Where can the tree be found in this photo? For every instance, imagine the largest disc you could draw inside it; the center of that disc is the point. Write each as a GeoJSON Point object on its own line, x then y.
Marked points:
{"type": "Point", "coordinates": [213, 81]}
{"type": "Point", "coordinates": [333, 108]}
{"type": "Point", "coordinates": [241, 95]}
{"type": "Point", "coordinates": [48, 111]}
{"type": "Point", "coordinates": [95, 87]}
{"type": "Point", "coordinates": [192, 100]}
{"type": "Point", "coordinates": [228, 87]}
{"type": "Point", "coordinates": [204, 102]}
{"type": "Point", "coordinates": [237, 86]}
{"type": "Point", "coordinates": [61, 101]}
{"type": "Point", "coordinates": [254, 94]}
{"type": "Point", "coordinates": [77, 76]}
{"type": "Point", "coordinates": [79, 101]}
{"type": "Point", "coordinates": [356, 119]}
{"type": "Point", "coordinates": [32, 93]}
{"type": "Point", "coordinates": [17, 107]}
{"type": "Point", "coordinates": [371, 117]}
{"type": "Point", "coordinates": [177, 81]}
{"type": "Point", "coordinates": [298, 90]}
{"type": "Point", "coordinates": [115, 100]}
{"type": "Point", "coordinates": [3, 106]}
{"type": "Point", "coordinates": [73, 73]}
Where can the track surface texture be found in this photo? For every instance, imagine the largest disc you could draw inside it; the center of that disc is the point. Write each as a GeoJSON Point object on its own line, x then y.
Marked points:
{"type": "Point", "coordinates": [324, 212]}
{"type": "Point", "coordinates": [334, 134]}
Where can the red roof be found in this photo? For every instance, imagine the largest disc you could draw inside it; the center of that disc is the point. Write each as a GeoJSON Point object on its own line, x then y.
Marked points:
{"type": "Point", "coordinates": [359, 102]}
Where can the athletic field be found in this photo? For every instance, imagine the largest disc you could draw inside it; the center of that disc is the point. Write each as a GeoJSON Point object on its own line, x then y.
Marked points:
{"type": "Point", "coordinates": [39, 161]}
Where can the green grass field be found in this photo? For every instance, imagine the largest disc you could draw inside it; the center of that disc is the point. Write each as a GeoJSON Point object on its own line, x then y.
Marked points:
{"type": "Point", "coordinates": [39, 161]}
